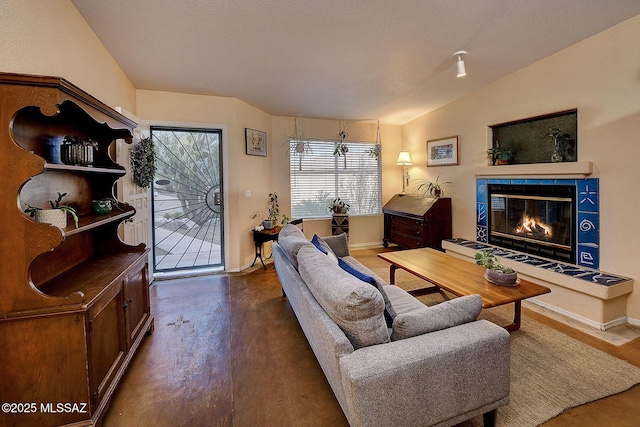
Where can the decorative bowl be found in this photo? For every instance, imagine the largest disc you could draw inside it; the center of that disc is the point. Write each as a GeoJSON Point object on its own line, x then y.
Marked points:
{"type": "Point", "coordinates": [502, 279]}
{"type": "Point", "coordinates": [101, 207]}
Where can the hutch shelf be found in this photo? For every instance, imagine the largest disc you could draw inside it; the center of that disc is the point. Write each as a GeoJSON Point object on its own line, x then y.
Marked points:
{"type": "Point", "coordinates": [74, 302]}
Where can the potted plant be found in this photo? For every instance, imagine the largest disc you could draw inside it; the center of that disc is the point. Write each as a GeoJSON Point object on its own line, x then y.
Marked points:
{"type": "Point", "coordinates": [496, 273]}
{"type": "Point", "coordinates": [341, 146]}
{"type": "Point", "coordinates": [57, 215]}
{"type": "Point", "coordinates": [432, 188]}
{"type": "Point", "coordinates": [500, 155]}
{"type": "Point", "coordinates": [563, 145]}
{"type": "Point", "coordinates": [338, 206]}
{"type": "Point", "coordinates": [273, 216]}
{"type": "Point", "coordinates": [298, 145]}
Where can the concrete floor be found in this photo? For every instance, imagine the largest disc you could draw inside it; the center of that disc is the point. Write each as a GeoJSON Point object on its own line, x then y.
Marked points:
{"type": "Point", "coordinates": [228, 351]}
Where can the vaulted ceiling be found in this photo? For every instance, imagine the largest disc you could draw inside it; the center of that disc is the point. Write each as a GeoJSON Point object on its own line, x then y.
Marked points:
{"type": "Point", "coordinates": [390, 60]}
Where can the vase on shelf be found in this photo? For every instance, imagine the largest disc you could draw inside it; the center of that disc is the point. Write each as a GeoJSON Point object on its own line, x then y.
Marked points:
{"type": "Point", "coordinates": [556, 157]}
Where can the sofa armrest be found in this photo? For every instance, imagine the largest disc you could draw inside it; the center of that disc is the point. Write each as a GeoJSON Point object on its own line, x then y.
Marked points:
{"type": "Point", "coordinates": [430, 378]}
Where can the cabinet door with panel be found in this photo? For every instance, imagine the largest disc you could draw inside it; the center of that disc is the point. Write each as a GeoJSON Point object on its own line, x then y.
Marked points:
{"type": "Point", "coordinates": [106, 343]}
{"type": "Point", "coordinates": [136, 301]}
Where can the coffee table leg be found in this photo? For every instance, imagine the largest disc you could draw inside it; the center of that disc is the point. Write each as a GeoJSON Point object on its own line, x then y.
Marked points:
{"type": "Point", "coordinates": [392, 274]}
{"type": "Point", "coordinates": [517, 317]}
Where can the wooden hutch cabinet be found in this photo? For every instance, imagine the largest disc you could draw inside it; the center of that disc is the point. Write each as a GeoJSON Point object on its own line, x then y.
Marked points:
{"type": "Point", "coordinates": [417, 222]}
{"type": "Point", "coordinates": [74, 302]}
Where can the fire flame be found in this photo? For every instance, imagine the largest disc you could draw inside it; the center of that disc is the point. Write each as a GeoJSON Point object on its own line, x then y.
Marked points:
{"type": "Point", "coordinates": [530, 226]}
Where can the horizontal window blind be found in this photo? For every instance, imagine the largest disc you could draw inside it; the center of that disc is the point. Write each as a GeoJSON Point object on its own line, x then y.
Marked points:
{"type": "Point", "coordinates": [317, 177]}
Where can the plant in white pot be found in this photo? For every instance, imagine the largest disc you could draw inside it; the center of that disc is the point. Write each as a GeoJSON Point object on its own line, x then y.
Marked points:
{"type": "Point", "coordinates": [496, 273]}
{"type": "Point", "coordinates": [57, 215]}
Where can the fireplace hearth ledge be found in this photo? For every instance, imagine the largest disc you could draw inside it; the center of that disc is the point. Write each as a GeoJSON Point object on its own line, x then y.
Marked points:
{"type": "Point", "coordinates": [600, 305]}
{"type": "Point", "coordinates": [563, 169]}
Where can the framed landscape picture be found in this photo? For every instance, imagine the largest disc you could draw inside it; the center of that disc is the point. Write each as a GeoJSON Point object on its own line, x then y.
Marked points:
{"type": "Point", "coordinates": [443, 151]}
{"type": "Point", "coordinates": [256, 142]}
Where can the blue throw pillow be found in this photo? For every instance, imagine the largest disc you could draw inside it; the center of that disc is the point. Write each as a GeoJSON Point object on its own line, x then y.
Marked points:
{"type": "Point", "coordinates": [389, 312]}
{"type": "Point", "coordinates": [323, 247]}
{"type": "Point", "coordinates": [316, 242]}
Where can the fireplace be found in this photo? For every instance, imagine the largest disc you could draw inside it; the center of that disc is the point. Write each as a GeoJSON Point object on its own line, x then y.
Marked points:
{"type": "Point", "coordinates": [535, 219]}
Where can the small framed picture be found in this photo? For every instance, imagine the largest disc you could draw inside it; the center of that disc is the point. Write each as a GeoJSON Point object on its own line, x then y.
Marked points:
{"type": "Point", "coordinates": [443, 151]}
{"type": "Point", "coordinates": [256, 142]}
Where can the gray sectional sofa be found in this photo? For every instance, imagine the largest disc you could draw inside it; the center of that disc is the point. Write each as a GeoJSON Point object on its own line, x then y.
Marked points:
{"type": "Point", "coordinates": [390, 360]}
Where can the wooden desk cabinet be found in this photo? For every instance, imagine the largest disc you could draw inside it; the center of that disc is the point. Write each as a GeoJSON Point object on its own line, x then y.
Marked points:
{"type": "Point", "coordinates": [417, 222]}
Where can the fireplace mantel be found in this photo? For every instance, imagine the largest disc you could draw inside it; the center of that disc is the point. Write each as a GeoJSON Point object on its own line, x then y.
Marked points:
{"type": "Point", "coordinates": [542, 170]}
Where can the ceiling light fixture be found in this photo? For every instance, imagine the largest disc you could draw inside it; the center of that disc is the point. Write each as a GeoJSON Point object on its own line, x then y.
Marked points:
{"type": "Point", "coordinates": [460, 64]}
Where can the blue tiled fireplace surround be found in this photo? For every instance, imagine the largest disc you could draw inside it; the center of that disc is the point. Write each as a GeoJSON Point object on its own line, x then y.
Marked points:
{"type": "Point", "coordinates": [588, 212]}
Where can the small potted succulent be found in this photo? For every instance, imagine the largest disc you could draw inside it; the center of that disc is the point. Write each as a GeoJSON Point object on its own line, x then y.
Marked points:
{"type": "Point", "coordinates": [57, 215]}
{"type": "Point", "coordinates": [339, 206]}
{"type": "Point", "coordinates": [496, 273]}
{"type": "Point", "coordinates": [500, 155]}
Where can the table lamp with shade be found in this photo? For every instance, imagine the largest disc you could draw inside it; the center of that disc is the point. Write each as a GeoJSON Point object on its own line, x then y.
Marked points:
{"type": "Point", "coordinates": [404, 160]}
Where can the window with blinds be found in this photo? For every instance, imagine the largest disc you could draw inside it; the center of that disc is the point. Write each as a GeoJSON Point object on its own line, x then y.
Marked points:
{"type": "Point", "coordinates": [317, 177]}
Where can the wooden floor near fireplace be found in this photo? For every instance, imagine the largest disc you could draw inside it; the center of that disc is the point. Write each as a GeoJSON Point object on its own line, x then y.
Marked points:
{"type": "Point", "coordinates": [247, 363]}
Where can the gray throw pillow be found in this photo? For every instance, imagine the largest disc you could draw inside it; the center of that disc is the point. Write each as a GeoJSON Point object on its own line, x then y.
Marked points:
{"type": "Point", "coordinates": [441, 316]}
{"type": "Point", "coordinates": [339, 244]}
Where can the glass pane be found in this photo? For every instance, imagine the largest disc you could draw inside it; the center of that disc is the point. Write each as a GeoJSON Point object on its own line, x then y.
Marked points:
{"type": "Point", "coordinates": [187, 199]}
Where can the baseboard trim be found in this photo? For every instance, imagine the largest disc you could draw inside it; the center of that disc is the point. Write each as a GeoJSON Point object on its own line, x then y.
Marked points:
{"type": "Point", "coordinates": [583, 320]}
{"type": "Point", "coordinates": [632, 321]}
{"type": "Point", "coordinates": [371, 245]}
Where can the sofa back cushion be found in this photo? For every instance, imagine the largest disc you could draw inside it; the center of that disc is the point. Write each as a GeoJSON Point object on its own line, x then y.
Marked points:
{"type": "Point", "coordinates": [291, 239]}
{"type": "Point", "coordinates": [355, 306]}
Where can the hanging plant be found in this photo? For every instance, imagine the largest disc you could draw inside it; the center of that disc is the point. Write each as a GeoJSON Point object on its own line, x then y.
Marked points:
{"type": "Point", "coordinates": [341, 146]}
{"type": "Point", "coordinates": [143, 162]}
{"type": "Point", "coordinates": [298, 144]}
{"type": "Point", "coordinates": [376, 149]}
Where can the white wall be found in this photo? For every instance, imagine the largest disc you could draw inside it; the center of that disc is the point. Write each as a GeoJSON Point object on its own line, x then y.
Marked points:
{"type": "Point", "coordinates": [51, 38]}
{"type": "Point", "coordinates": [599, 76]}
{"type": "Point", "coordinates": [240, 171]}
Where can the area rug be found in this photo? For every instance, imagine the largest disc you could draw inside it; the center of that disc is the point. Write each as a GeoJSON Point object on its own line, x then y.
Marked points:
{"type": "Point", "coordinates": [550, 371]}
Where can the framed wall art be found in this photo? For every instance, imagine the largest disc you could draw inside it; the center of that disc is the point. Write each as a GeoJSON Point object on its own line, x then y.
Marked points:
{"type": "Point", "coordinates": [256, 142]}
{"type": "Point", "coordinates": [443, 151]}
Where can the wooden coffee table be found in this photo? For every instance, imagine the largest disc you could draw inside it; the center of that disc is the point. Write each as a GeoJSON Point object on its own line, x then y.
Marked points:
{"type": "Point", "coordinates": [461, 278]}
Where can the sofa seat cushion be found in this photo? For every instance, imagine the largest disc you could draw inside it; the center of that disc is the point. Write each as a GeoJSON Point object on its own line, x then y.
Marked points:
{"type": "Point", "coordinates": [355, 306]}
{"type": "Point", "coordinates": [401, 300]}
{"type": "Point", "coordinates": [426, 319]}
